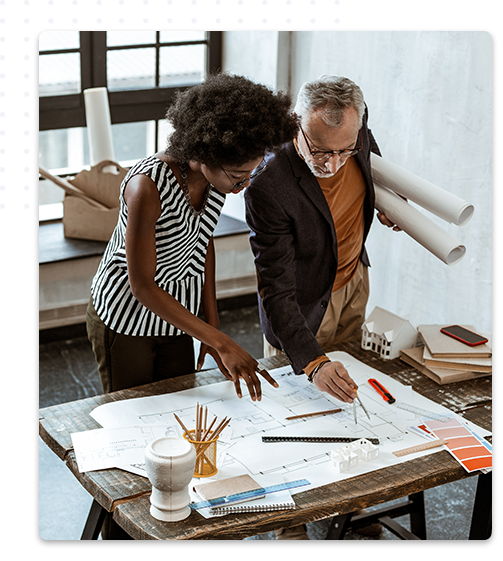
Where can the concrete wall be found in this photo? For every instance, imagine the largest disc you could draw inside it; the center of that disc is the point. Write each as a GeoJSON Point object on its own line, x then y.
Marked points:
{"type": "Point", "coordinates": [430, 104]}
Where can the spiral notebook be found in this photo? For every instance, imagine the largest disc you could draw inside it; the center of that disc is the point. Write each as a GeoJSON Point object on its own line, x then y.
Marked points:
{"type": "Point", "coordinates": [280, 500]}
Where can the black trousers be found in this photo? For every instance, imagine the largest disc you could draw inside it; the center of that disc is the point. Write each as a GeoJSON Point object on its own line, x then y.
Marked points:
{"type": "Point", "coordinates": [126, 361]}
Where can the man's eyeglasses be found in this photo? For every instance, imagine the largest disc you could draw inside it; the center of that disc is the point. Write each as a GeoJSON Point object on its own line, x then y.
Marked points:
{"type": "Point", "coordinates": [325, 155]}
{"type": "Point", "coordinates": [254, 173]}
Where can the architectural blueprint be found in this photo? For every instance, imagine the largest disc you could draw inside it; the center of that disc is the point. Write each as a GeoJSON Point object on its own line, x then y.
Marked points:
{"type": "Point", "coordinates": [106, 448]}
{"type": "Point", "coordinates": [241, 449]}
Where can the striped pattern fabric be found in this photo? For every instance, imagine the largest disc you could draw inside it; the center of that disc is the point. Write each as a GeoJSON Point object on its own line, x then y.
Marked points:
{"type": "Point", "coordinates": [181, 243]}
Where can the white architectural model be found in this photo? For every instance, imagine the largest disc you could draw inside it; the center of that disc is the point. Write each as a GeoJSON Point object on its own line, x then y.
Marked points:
{"type": "Point", "coordinates": [386, 333]}
{"type": "Point", "coordinates": [347, 457]}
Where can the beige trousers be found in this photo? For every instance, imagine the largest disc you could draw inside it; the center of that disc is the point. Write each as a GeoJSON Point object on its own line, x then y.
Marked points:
{"type": "Point", "coordinates": [344, 315]}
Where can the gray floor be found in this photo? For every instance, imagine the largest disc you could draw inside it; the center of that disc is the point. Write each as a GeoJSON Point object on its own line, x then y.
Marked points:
{"type": "Point", "coordinates": [68, 372]}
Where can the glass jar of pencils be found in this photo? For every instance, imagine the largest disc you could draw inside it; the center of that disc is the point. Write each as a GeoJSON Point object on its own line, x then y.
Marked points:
{"type": "Point", "coordinates": [206, 453]}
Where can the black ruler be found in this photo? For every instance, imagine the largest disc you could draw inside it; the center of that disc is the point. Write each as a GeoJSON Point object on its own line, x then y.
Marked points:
{"type": "Point", "coordinates": [343, 439]}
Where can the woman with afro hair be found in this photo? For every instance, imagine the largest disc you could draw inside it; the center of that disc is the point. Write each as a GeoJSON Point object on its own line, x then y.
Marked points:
{"type": "Point", "coordinates": [158, 269]}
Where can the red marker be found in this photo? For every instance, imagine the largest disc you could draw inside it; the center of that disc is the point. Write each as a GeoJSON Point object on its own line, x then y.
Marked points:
{"type": "Point", "coordinates": [379, 388]}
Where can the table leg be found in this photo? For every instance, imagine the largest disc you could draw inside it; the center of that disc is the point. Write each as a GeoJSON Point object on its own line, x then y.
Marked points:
{"type": "Point", "coordinates": [94, 522]}
{"type": "Point", "coordinates": [418, 515]}
{"type": "Point", "coordinates": [481, 526]}
{"type": "Point", "coordinates": [339, 526]}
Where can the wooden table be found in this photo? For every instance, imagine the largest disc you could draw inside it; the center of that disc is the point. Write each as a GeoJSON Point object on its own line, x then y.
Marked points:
{"type": "Point", "coordinates": [127, 495]}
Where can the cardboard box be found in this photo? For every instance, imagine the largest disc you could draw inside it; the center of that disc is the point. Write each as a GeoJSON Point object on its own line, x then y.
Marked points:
{"type": "Point", "coordinates": [87, 222]}
{"type": "Point", "coordinates": [94, 219]}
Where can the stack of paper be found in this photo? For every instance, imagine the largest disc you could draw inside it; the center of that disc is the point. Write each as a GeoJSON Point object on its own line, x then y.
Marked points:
{"type": "Point", "coordinates": [447, 360]}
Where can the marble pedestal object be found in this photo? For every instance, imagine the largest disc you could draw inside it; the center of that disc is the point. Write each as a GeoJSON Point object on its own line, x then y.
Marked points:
{"type": "Point", "coordinates": [170, 463]}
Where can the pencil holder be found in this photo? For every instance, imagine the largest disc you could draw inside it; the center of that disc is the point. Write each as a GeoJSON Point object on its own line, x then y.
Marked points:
{"type": "Point", "coordinates": [206, 454]}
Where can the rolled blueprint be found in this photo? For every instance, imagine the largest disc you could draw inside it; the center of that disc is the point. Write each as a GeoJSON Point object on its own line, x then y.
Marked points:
{"type": "Point", "coordinates": [418, 226]}
{"type": "Point", "coordinates": [99, 125]}
{"type": "Point", "coordinates": [443, 204]}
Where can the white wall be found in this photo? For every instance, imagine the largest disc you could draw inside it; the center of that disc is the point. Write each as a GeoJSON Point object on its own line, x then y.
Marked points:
{"type": "Point", "coordinates": [430, 105]}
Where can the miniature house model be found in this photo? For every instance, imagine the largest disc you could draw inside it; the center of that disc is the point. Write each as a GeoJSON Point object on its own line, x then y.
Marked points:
{"type": "Point", "coordinates": [386, 333]}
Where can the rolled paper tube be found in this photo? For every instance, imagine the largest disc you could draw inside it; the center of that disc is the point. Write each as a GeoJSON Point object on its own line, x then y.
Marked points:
{"type": "Point", "coordinates": [99, 125]}
{"type": "Point", "coordinates": [438, 201]}
{"type": "Point", "coordinates": [418, 226]}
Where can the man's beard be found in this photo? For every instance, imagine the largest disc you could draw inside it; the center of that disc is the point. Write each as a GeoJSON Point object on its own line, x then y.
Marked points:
{"type": "Point", "coordinates": [317, 170]}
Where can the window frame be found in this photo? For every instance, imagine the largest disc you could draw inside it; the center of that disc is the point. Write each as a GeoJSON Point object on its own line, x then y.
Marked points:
{"type": "Point", "coordinates": [126, 106]}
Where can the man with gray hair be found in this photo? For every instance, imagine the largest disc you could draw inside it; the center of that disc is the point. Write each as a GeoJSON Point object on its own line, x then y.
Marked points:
{"type": "Point", "coordinates": [310, 214]}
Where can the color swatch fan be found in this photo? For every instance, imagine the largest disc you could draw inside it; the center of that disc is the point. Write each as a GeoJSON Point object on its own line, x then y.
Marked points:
{"type": "Point", "coordinates": [470, 450]}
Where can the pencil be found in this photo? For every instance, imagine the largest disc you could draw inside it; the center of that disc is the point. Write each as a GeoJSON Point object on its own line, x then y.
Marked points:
{"type": "Point", "coordinates": [221, 428]}
{"type": "Point", "coordinates": [202, 447]}
{"type": "Point", "coordinates": [313, 414]}
{"type": "Point", "coordinates": [182, 425]}
{"type": "Point", "coordinates": [208, 430]}
{"type": "Point", "coordinates": [198, 422]}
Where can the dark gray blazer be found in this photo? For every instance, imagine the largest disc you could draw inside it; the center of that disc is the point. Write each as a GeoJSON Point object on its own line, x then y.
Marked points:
{"type": "Point", "coordinates": [295, 246]}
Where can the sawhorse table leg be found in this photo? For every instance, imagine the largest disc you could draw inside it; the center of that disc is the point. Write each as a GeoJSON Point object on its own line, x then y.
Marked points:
{"type": "Point", "coordinates": [481, 526]}
{"type": "Point", "coordinates": [94, 522]}
{"type": "Point", "coordinates": [414, 507]}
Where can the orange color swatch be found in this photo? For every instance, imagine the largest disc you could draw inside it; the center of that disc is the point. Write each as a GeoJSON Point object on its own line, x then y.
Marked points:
{"type": "Point", "coordinates": [471, 451]}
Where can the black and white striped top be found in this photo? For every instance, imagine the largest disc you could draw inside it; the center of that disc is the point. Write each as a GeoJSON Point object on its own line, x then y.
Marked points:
{"type": "Point", "coordinates": [181, 243]}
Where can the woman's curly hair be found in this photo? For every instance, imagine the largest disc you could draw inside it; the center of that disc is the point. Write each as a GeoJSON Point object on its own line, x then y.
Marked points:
{"type": "Point", "coordinates": [228, 120]}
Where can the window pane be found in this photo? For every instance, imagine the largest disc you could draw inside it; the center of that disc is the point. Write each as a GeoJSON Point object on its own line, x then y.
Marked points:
{"type": "Point", "coordinates": [164, 130]}
{"type": "Point", "coordinates": [67, 150]}
{"type": "Point", "coordinates": [117, 38]}
{"type": "Point", "coordinates": [131, 68]}
{"type": "Point", "coordinates": [56, 40]}
{"type": "Point", "coordinates": [133, 141]}
{"type": "Point", "coordinates": [59, 74]}
{"type": "Point", "coordinates": [172, 36]}
{"type": "Point", "coordinates": [182, 65]}
{"type": "Point", "coordinates": [49, 149]}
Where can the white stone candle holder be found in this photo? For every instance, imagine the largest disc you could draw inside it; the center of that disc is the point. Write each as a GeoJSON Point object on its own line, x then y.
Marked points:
{"type": "Point", "coordinates": [170, 463]}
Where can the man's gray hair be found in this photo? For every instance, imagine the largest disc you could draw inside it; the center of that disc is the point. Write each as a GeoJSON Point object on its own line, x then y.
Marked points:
{"type": "Point", "coordinates": [333, 94]}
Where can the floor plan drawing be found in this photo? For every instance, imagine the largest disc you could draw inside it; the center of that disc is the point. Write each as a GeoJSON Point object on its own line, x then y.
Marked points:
{"type": "Point", "coordinates": [241, 449]}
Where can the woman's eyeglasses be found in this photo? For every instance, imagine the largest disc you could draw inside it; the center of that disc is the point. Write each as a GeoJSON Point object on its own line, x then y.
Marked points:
{"type": "Point", "coordinates": [257, 171]}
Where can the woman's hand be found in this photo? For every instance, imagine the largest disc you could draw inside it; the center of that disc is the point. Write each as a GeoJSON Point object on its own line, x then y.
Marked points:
{"type": "Point", "coordinates": [203, 351]}
{"type": "Point", "coordinates": [236, 364]}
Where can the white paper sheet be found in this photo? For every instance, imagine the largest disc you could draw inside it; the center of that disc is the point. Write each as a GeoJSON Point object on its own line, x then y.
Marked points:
{"type": "Point", "coordinates": [418, 226]}
{"type": "Point", "coordinates": [251, 420]}
{"type": "Point", "coordinates": [440, 202]}
{"type": "Point", "coordinates": [108, 448]}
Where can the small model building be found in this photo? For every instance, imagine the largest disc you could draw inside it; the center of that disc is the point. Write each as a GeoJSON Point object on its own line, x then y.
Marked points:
{"type": "Point", "coordinates": [346, 457]}
{"type": "Point", "coordinates": [386, 333]}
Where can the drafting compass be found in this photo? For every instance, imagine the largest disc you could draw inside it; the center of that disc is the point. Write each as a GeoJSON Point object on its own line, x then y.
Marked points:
{"type": "Point", "coordinates": [363, 407]}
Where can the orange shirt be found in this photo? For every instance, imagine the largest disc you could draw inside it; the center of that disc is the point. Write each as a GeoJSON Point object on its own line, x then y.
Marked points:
{"type": "Point", "coordinates": [345, 192]}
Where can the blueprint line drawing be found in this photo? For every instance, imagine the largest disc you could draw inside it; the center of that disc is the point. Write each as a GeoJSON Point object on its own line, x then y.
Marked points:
{"type": "Point", "coordinates": [240, 446]}
{"type": "Point", "coordinates": [107, 448]}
